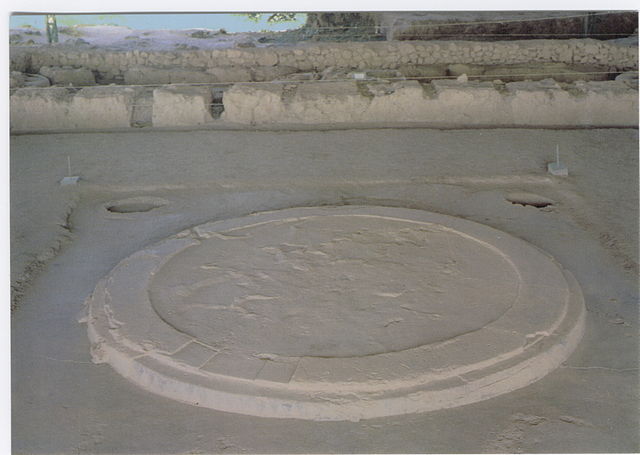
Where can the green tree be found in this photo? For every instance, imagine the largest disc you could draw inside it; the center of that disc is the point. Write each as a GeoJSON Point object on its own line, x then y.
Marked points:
{"type": "Point", "coordinates": [272, 17]}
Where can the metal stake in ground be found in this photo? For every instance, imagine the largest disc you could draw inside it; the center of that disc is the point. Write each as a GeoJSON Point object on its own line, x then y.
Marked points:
{"type": "Point", "coordinates": [557, 168]}
{"type": "Point", "coordinates": [69, 179]}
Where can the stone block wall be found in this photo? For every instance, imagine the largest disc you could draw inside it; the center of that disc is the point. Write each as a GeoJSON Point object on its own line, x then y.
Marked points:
{"type": "Point", "coordinates": [238, 64]}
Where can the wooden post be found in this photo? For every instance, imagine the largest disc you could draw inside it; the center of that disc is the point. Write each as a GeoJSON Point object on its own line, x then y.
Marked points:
{"type": "Point", "coordinates": [52, 28]}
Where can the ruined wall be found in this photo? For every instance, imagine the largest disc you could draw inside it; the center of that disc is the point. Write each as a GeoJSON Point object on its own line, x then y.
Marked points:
{"type": "Point", "coordinates": [316, 57]}
{"type": "Point", "coordinates": [52, 109]}
{"type": "Point", "coordinates": [441, 103]}
{"type": "Point", "coordinates": [437, 104]}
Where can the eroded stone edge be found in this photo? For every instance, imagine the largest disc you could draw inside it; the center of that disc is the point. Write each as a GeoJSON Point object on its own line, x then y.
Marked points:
{"type": "Point", "coordinates": [156, 374]}
{"type": "Point", "coordinates": [157, 377]}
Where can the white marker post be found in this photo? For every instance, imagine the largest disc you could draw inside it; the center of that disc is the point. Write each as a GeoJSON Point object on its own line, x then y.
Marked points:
{"type": "Point", "coordinates": [69, 179]}
{"type": "Point", "coordinates": [557, 168]}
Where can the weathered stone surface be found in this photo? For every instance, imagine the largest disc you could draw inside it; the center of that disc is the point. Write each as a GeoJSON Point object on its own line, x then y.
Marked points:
{"type": "Point", "coordinates": [558, 71]}
{"type": "Point", "coordinates": [143, 75]}
{"type": "Point", "coordinates": [253, 103]}
{"type": "Point", "coordinates": [303, 76]}
{"type": "Point", "coordinates": [270, 73]}
{"type": "Point", "coordinates": [267, 57]}
{"type": "Point", "coordinates": [458, 69]}
{"type": "Point", "coordinates": [182, 106]}
{"type": "Point", "coordinates": [16, 79]}
{"type": "Point", "coordinates": [181, 76]}
{"type": "Point", "coordinates": [333, 327]}
{"type": "Point", "coordinates": [629, 78]}
{"type": "Point", "coordinates": [90, 108]}
{"type": "Point", "coordinates": [318, 57]}
{"type": "Point", "coordinates": [230, 74]}
{"type": "Point", "coordinates": [439, 103]}
{"type": "Point", "coordinates": [332, 73]}
{"type": "Point", "coordinates": [423, 70]}
{"type": "Point", "coordinates": [36, 80]}
{"type": "Point", "coordinates": [68, 76]}
{"type": "Point", "coordinates": [443, 102]}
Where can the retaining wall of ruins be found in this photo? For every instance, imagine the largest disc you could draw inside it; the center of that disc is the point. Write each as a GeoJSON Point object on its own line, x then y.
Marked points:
{"type": "Point", "coordinates": [177, 89]}
{"type": "Point", "coordinates": [316, 57]}
{"type": "Point", "coordinates": [436, 104]}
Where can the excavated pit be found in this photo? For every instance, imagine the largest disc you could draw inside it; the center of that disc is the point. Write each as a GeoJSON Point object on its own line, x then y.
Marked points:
{"type": "Point", "coordinates": [529, 199]}
{"type": "Point", "coordinates": [131, 208]}
{"type": "Point", "coordinates": [135, 205]}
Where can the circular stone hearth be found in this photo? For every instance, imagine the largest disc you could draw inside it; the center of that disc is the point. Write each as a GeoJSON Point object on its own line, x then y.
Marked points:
{"type": "Point", "coordinates": [336, 313]}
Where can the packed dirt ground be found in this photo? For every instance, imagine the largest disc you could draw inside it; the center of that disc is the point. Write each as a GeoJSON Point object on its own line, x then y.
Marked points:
{"type": "Point", "coordinates": [66, 239]}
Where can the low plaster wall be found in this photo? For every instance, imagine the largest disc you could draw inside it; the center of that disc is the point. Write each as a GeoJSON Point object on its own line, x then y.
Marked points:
{"type": "Point", "coordinates": [181, 106]}
{"type": "Point", "coordinates": [89, 108]}
{"type": "Point", "coordinates": [319, 56]}
{"type": "Point", "coordinates": [440, 103]}
{"type": "Point", "coordinates": [446, 103]}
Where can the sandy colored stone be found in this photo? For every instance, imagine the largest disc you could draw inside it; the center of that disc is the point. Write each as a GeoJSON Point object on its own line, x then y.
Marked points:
{"type": "Point", "coordinates": [336, 313]}
{"type": "Point", "coordinates": [443, 102]}
{"type": "Point", "coordinates": [78, 77]}
{"type": "Point", "coordinates": [182, 106]}
{"type": "Point", "coordinates": [90, 108]}
{"type": "Point", "coordinates": [230, 73]}
{"type": "Point", "coordinates": [423, 70]}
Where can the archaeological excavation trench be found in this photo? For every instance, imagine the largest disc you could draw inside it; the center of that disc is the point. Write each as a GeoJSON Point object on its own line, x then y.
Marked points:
{"type": "Point", "coordinates": [423, 289]}
{"type": "Point", "coordinates": [238, 244]}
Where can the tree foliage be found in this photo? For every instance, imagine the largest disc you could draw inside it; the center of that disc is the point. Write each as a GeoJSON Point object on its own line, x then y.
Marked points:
{"type": "Point", "coordinates": [272, 17]}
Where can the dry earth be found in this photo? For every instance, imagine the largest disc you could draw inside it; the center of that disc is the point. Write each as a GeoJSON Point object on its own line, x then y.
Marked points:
{"type": "Point", "coordinates": [63, 403]}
